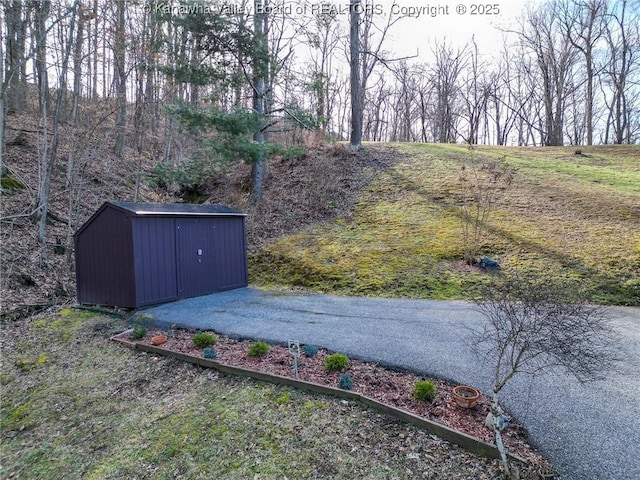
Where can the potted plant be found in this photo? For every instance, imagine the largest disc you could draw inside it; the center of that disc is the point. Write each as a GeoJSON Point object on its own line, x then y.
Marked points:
{"type": "Point", "coordinates": [465, 396]}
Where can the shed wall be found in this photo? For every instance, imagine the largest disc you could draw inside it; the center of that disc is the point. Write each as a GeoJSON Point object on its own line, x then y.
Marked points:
{"type": "Point", "coordinates": [231, 259]}
{"type": "Point", "coordinates": [104, 261]}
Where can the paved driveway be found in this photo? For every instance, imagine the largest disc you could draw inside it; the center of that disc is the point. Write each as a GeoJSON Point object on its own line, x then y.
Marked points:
{"type": "Point", "coordinates": [587, 431]}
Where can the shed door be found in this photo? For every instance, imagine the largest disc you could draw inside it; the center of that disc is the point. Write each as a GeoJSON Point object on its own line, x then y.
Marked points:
{"type": "Point", "coordinates": [195, 247]}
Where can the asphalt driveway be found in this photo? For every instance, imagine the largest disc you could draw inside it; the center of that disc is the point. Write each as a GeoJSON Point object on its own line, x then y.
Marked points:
{"type": "Point", "coordinates": [587, 431]}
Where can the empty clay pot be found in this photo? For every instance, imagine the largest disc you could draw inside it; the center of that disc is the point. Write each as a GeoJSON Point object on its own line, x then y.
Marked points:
{"type": "Point", "coordinates": [465, 396]}
{"type": "Point", "coordinates": [158, 339]}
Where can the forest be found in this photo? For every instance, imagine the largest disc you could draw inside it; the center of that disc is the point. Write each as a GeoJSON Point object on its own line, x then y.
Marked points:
{"type": "Point", "coordinates": [153, 98]}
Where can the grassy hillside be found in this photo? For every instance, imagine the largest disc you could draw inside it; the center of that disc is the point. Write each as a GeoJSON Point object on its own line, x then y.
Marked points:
{"type": "Point", "coordinates": [571, 216]}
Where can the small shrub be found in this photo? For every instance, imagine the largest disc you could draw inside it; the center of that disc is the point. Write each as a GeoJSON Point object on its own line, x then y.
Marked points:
{"type": "Point", "coordinates": [345, 383]}
{"type": "Point", "coordinates": [139, 332]}
{"type": "Point", "coordinates": [310, 350]}
{"type": "Point", "coordinates": [209, 353]}
{"type": "Point", "coordinates": [204, 339]}
{"type": "Point", "coordinates": [336, 362]}
{"type": "Point", "coordinates": [258, 349]}
{"type": "Point", "coordinates": [425, 390]}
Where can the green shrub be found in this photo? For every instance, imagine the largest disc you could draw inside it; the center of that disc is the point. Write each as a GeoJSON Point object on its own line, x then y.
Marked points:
{"type": "Point", "coordinates": [336, 362]}
{"type": "Point", "coordinates": [345, 383]}
{"type": "Point", "coordinates": [204, 339]}
{"type": "Point", "coordinates": [425, 390]}
{"type": "Point", "coordinates": [139, 332]}
{"type": "Point", "coordinates": [258, 349]}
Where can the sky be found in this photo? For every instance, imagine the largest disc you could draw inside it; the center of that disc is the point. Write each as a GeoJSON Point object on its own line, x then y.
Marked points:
{"type": "Point", "coordinates": [479, 19]}
{"type": "Point", "coordinates": [453, 20]}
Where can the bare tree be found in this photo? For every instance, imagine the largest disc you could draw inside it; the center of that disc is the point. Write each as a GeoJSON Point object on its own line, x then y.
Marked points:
{"type": "Point", "coordinates": [48, 156]}
{"type": "Point", "coordinates": [323, 38]}
{"type": "Point", "coordinates": [17, 15]}
{"type": "Point", "coordinates": [445, 74]}
{"type": "Point", "coordinates": [72, 183]}
{"type": "Point", "coordinates": [622, 34]}
{"type": "Point", "coordinates": [533, 326]}
{"type": "Point", "coordinates": [355, 139]}
{"type": "Point", "coordinates": [482, 183]}
{"type": "Point", "coordinates": [475, 94]}
{"type": "Point", "coordinates": [120, 76]}
{"type": "Point", "coordinates": [554, 53]}
{"type": "Point", "coordinates": [582, 22]}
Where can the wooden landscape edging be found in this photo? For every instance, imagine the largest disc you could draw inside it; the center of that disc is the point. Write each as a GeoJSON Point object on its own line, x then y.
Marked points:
{"type": "Point", "coordinates": [468, 442]}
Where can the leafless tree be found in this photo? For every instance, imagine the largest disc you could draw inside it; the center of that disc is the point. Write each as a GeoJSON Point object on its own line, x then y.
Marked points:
{"type": "Point", "coordinates": [446, 71]}
{"type": "Point", "coordinates": [533, 326]}
{"type": "Point", "coordinates": [120, 76]}
{"type": "Point", "coordinates": [554, 53]}
{"type": "Point", "coordinates": [482, 183]}
{"type": "Point", "coordinates": [49, 152]}
{"type": "Point", "coordinates": [404, 105]}
{"type": "Point", "coordinates": [475, 93]}
{"type": "Point", "coordinates": [623, 36]}
{"type": "Point", "coordinates": [323, 38]}
{"type": "Point", "coordinates": [583, 24]}
{"type": "Point", "coordinates": [355, 139]}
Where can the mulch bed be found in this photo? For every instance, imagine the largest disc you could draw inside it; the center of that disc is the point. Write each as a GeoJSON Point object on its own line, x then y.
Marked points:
{"type": "Point", "coordinates": [391, 387]}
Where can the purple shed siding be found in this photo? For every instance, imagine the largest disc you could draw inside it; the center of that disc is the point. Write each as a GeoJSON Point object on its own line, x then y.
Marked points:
{"type": "Point", "coordinates": [231, 262]}
{"type": "Point", "coordinates": [104, 263]}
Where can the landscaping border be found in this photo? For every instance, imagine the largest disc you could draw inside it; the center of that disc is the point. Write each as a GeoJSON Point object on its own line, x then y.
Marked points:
{"type": "Point", "coordinates": [468, 442]}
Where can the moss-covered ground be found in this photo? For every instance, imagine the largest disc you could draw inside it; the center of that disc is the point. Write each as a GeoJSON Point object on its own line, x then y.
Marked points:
{"type": "Point", "coordinates": [566, 215]}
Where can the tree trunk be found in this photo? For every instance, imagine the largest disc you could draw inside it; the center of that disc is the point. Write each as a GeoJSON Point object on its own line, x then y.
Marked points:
{"type": "Point", "coordinates": [3, 147]}
{"type": "Point", "coordinates": [16, 24]}
{"type": "Point", "coordinates": [72, 186]}
{"type": "Point", "coordinates": [121, 79]}
{"type": "Point", "coordinates": [94, 78]}
{"type": "Point", "coordinates": [40, 37]}
{"type": "Point", "coordinates": [355, 140]}
{"type": "Point", "coordinates": [259, 90]}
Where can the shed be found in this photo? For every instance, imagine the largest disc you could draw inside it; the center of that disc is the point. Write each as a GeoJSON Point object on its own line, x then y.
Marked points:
{"type": "Point", "coordinates": [136, 254]}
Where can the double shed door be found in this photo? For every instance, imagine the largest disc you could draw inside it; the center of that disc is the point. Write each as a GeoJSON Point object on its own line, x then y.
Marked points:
{"type": "Point", "coordinates": [196, 256]}
{"type": "Point", "coordinates": [210, 255]}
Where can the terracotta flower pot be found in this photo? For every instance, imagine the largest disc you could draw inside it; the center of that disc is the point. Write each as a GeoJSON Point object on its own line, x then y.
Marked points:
{"type": "Point", "coordinates": [158, 340]}
{"type": "Point", "coordinates": [465, 396]}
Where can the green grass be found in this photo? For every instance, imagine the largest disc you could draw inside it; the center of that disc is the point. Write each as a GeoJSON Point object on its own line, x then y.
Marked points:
{"type": "Point", "coordinates": [97, 410]}
{"type": "Point", "coordinates": [571, 216]}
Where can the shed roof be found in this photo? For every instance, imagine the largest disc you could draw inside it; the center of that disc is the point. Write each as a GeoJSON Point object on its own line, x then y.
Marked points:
{"type": "Point", "coordinates": [187, 209]}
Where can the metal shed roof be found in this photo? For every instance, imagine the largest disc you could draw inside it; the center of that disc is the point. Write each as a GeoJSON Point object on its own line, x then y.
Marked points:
{"type": "Point", "coordinates": [188, 209]}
